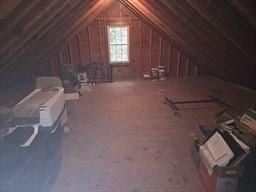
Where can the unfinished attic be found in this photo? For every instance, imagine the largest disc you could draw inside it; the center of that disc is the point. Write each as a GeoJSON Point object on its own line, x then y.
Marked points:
{"type": "Point", "coordinates": [127, 96]}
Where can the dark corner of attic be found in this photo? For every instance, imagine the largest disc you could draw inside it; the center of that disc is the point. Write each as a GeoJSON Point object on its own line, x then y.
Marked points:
{"type": "Point", "coordinates": [127, 95]}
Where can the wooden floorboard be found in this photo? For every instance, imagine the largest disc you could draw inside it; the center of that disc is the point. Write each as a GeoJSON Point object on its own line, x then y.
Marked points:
{"type": "Point", "coordinates": [124, 139]}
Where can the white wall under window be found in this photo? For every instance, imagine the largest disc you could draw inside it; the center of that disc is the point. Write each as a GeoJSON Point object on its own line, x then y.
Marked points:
{"type": "Point", "coordinates": [118, 42]}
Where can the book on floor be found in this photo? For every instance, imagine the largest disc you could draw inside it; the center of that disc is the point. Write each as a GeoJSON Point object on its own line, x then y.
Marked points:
{"type": "Point", "coordinates": [222, 149]}
{"type": "Point", "coordinates": [215, 152]}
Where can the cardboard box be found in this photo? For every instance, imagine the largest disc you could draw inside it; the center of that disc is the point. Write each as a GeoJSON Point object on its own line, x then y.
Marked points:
{"type": "Point", "coordinates": [249, 119]}
{"type": "Point", "coordinates": [223, 179]}
{"type": "Point", "coordinates": [71, 96]}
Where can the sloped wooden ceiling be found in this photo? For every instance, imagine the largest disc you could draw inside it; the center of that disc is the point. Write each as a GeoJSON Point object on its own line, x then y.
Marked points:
{"type": "Point", "coordinates": [148, 48]}
{"type": "Point", "coordinates": [210, 31]}
{"type": "Point", "coordinates": [219, 34]}
{"type": "Point", "coordinates": [35, 27]}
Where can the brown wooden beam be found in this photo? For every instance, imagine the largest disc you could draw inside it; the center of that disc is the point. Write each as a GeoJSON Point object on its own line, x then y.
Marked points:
{"type": "Point", "coordinates": [89, 12]}
{"type": "Point", "coordinates": [80, 21]}
{"type": "Point", "coordinates": [32, 29]}
{"type": "Point", "coordinates": [151, 13]}
{"type": "Point", "coordinates": [20, 11]}
{"type": "Point", "coordinates": [209, 37]}
{"type": "Point", "coordinates": [187, 67]}
{"type": "Point", "coordinates": [193, 40]}
{"type": "Point", "coordinates": [118, 19]}
{"type": "Point", "coordinates": [44, 29]}
{"type": "Point", "coordinates": [221, 17]}
{"type": "Point", "coordinates": [247, 9]}
{"type": "Point", "coordinates": [22, 57]}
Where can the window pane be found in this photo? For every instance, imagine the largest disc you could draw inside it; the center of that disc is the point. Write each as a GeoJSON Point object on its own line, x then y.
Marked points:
{"type": "Point", "coordinates": [118, 44]}
{"type": "Point", "coordinates": [125, 52]}
{"type": "Point", "coordinates": [124, 39]}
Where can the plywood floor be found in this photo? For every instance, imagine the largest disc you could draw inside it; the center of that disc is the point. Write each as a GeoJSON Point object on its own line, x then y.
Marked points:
{"type": "Point", "coordinates": [124, 139]}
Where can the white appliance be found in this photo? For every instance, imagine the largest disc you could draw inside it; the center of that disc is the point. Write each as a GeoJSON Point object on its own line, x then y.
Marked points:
{"type": "Point", "coordinates": [49, 111]}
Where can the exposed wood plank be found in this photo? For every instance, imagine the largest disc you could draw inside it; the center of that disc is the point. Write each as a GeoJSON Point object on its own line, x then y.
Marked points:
{"type": "Point", "coordinates": [100, 48]}
{"type": "Point", "coordinates": [70, 55]}
{"type": "Point", "coordinates": [137, 65]}
{"type": "Point", "coordinates": [160, 51]}
{"type": "Point", "coordinates": [56, 65]}
{"type": "Point", "coordinates": [105, 38]}
{"type": "Point", "coordinates": [60, 56]}
{"type": "Point", "coordinates": [195, 70]}
{"type": "Point", "coordinates": [52, 67]}
{"type": "Point", "coordinates": [78, 43]}
{"type": "Point", "coordinates": [88, 13]}
{"type": "Point", "coordinates": [169, 68]}
{"type": "Point", "coordinates": [160, 20]}
{"type": "Point", "coordinates": [40, 29]}
{"type": "Point", "coordinates": [209, 39]}
{"type": "Point", "coordinates": [75, 50]}
{"type": "Point", "coordinates": [146, 49]}
{"type": "Point", "coordinates": [187, 67]}
{"type": "Point", "coordinates": [65, 53]}
{"type": "Point", "coordinates": [150, 47]}
{"type": "Point", "coordinates": [11, 43]}
{"type": "Point", "coordinates": [141, 60]}
{"type": "Point", "coordinates": [228, 23]}
{"type": "Point", "coordinates": [198, 44]}
{"type": "Point", "coordinates": [52, 27]}
{"type": "Point", "coordinates": [247, 8]}
{"type": "Point", "coordinates": [135, 48]}
{"type": "Point", "coordinates": [45, 32]}
{"type": "Point", "coordinates": [12, 20]}
{"type": "Point", "coordinates": [84, 47]}
{"type": "Point", "coordinates": [6, 7]}
{"type": "Point", "coordinates": [89, 43]}
{"type": "Point", "coordinates": [78, 38]}
{"type": "Point", "coordinates": [118, 19]}
{"type": "Point", "coordinates": [178, 64]}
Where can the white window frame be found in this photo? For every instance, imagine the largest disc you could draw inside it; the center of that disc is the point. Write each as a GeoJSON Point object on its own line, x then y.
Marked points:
{"type": "Point", "coordinates": [128, 44]}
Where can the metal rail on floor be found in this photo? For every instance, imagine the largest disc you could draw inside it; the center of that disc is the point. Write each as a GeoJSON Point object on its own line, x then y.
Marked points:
{"type": "Point", "coordinates": [173, 104]}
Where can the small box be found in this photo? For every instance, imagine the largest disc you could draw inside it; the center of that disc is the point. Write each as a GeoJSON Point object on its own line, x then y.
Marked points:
{"type": "Point", "coordinates": [71, 96]}
{"type": "Point", "coordinates": [223, 179]}
{"type": "Point", "coordinates": [249, 119]}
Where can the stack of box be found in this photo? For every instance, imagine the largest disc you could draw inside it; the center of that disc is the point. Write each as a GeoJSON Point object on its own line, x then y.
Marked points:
{"type": "Point", "coordinates": [249, 119]}
{"type": "Point", "coordinates": [219, 161]}
{"type": "Point", "coordinates": [223, 179]}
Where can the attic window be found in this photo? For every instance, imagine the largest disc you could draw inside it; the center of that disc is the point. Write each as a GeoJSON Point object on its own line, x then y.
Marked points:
{"type": "Point", "coordinates": [118, 42]}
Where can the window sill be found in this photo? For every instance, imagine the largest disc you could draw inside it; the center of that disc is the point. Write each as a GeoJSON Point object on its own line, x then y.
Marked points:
{"type": "Point", "coordinates": [119, 64]}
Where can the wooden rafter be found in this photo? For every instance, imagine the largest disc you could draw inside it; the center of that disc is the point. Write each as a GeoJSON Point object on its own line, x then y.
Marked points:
{"type": "Point", "coordinates": [84, 13]}
{"type": "Point", "coordinates": [247, 9]}
{"type": "Point", "coordinates": [193, 36]}
{"type": "Point", "coordinates": [219, 35]}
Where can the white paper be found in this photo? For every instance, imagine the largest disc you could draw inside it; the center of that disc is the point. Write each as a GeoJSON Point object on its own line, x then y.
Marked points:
{"type": "Point", "coordinates": [215, 152]}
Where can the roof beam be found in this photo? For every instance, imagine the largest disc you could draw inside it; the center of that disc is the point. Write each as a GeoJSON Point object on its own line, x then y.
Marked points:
{"type": "Point", "coordinates": [12, 20]}
{"type": "Point", "coordinates": [35, 28]}
{"type": "Point", "coordinates": [86, 16]}
{"type": "Point", "coordinates": [158, 17]}
{"type": "Point", "coordinates": [210, 38]}
{"type": "Point", "coordinates": [86, 13]}
{"type": "Point", "coordinates": [50, 27]}
{"type": "Point", "coordinates": [29, 27]}
{"type": "Point", "coordinates": [193, 38]}
{"type": "Point", "coordinates": [247, 9]}
{"type": "Point", "coordinates": [229, 24]}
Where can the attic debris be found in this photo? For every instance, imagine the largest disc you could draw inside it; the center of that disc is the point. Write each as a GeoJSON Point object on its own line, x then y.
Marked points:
{"type": "Point", "coordinates": [173, 104]}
